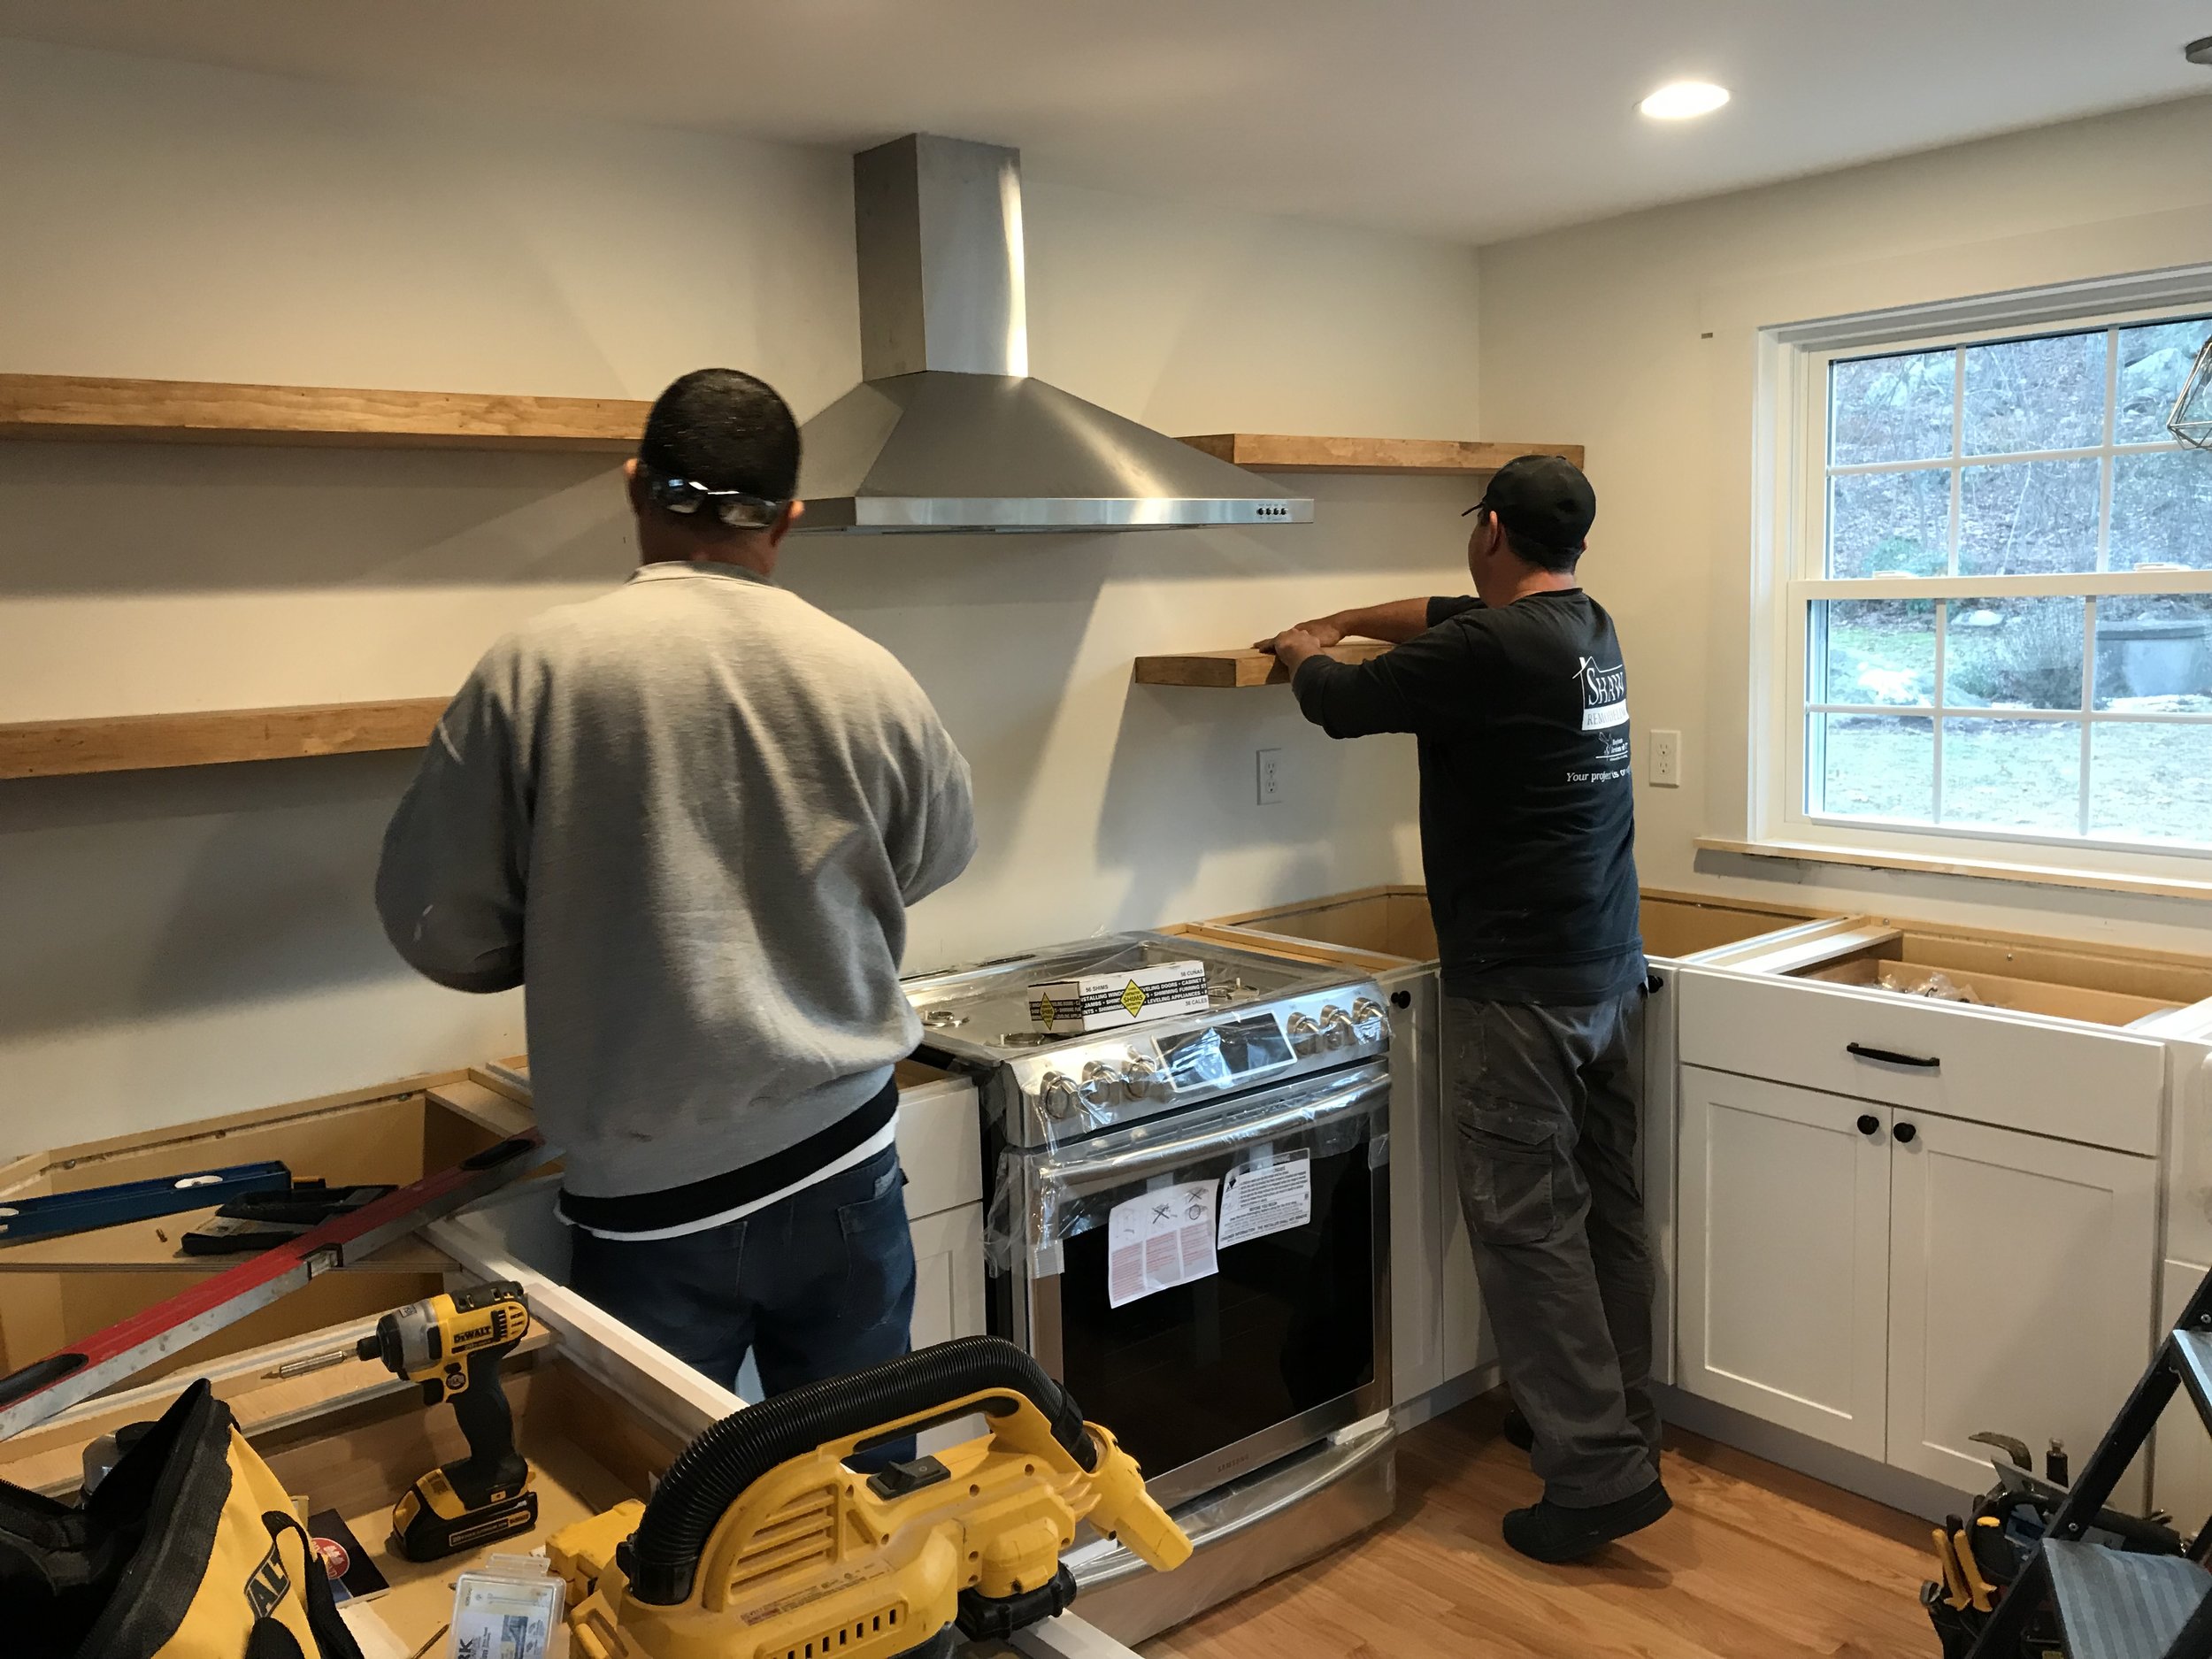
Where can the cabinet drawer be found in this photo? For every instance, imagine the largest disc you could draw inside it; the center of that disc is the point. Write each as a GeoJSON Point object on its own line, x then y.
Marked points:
{"type": "Point", "coordinates": [2079, 1083]}
{"type": "Point", "coordinates": [939, 1141]}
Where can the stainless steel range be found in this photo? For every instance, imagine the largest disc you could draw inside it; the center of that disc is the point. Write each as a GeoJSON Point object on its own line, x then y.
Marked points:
{"type": "Point", "coordinates": [1190, 1225]}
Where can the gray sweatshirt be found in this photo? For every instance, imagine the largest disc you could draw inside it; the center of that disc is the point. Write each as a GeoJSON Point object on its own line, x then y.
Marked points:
{"type": "Point", "coordinates": [689, 814]}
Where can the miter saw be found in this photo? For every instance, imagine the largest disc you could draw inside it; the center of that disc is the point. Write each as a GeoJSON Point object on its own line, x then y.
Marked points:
{"type": "Point", "coordinates": [762, 1542]}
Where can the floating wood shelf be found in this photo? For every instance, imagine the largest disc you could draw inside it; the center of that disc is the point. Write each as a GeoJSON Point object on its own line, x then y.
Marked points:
{"type": "Point", "coordinates": [59, 406]}
{"type": "Point", "coordinates": [1234, 671]}
{"type": "Point", "coordinates": [137, 742]}
{"type": "Point", "coordinates": [1266, 452]}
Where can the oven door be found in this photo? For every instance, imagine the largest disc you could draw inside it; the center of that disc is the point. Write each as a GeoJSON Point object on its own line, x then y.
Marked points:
{"type": "Point", "coordinates": [1286, 1340]}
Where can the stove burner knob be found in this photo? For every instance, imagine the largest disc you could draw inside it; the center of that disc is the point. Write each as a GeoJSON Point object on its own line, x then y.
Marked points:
{"type": "Point", "coordinates": [1336, 1026]}
{"type": "Point", "coordinates": [1057, 1093]}
{"type": "Point", "coordinates": [1305, 1036]}
{"type": "Point", "coordinates": [1367, 1020]}
{"type": "Point", "coordinates": [1102, 1086]}
{"type": "Point", "coordinates": [1145, 1081]}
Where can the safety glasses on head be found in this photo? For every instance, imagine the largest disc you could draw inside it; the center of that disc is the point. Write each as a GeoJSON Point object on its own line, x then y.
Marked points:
{"type": "Point", "coordinates": [732, 508]}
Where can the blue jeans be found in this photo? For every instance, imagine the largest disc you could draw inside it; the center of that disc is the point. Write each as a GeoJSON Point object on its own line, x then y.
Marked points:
{"type": "Point", "coordinates": [815, 1285]}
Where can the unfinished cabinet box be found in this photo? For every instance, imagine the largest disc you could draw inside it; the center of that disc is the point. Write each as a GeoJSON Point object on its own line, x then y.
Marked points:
{"type": "Point", "coordinates": [1437, 1332]}
{"type": "Point", "coordinates": [1837, 1073]}
{"type": "Point", "coordinates": [600, 1413]}
{"type": "Point", "coordinates": [54, 1291]}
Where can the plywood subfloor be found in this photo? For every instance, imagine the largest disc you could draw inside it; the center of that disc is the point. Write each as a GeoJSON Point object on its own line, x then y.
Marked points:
{"type": "Point", "coordinates": [1755, 1563]}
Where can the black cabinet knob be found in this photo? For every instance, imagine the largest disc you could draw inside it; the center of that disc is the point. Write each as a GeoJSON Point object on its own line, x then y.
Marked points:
{"type": "Point", "coordinates": [1869, 1124]}
{"type": "Point", "coordinates": [1905, 1132]}
{"type": "Point", "coordinates": [1402, 999]}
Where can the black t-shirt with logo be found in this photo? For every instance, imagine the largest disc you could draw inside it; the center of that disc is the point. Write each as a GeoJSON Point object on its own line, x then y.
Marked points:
{"type": "Point", "coordinates": [1527, 809]}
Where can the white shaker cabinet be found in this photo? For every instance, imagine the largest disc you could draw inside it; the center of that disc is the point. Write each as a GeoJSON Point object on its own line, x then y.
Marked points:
{"type": "Point", "coordinates": [1893, 1282]}
{"type": "Point", "coordinates": [1784, 1256]}
{"type": "Point", "coordinates": [2021, 1274]}
{"type": "Point", "coordinates": [948, 1276]}
{"type": "Point", "coordinates": [939, 1145]}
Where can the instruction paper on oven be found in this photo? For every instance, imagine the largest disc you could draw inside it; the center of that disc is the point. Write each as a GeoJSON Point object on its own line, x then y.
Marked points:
{"type": "Point", "coordinates": [1160, 1240]}
{"type": "Point", "coordinates": [1264, 1198]}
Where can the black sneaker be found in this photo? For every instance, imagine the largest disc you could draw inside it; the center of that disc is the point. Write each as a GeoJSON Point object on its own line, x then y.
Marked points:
{"type": "Point", "coordinates": [1549, 1532]}
{"type": "Point", "coordinates": [1517, 1430]}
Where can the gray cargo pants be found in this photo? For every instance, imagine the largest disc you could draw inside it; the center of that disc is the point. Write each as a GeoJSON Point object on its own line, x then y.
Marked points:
{"type": "Point", "coordinates": [1545, 1103]}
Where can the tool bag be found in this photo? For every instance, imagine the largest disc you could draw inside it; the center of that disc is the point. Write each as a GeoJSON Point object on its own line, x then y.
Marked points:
{"type": "Point", "coordinates": [187, 1549]}
{"type": "Point", "coordinates": [1979, 1558]}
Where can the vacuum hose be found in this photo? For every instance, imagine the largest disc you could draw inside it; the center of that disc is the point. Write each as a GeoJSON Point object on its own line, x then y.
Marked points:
{"type": "Point", "coordinates": [716, 1469]}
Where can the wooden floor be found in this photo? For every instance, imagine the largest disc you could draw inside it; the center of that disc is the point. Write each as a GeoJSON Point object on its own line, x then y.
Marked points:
{"type": "Point", "coordinates": [1755, 1563]}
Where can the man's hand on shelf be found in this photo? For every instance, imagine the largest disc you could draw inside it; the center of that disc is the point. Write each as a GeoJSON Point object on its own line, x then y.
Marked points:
{"type": "Point", "coordinates": [1293, 646]}
{"type": "Point", "coordinates": [1321, 631]}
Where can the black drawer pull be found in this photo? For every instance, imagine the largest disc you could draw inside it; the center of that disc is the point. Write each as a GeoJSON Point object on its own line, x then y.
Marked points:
{"type": "Point", "coordinates": [1904, 1133]}
{"type": "Point", "coordinates": [1890, 1057]}
{"type": "Point", "coordinates": [1869, 1124]}
{"type": "Point", "coordinates": [1402, 999]}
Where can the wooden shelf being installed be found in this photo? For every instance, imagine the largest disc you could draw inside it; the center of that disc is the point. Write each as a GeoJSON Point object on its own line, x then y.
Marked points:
{"type": "Point", "coordinates": [60, 406]}
{"type": "Point", "coordinates": [1267, 452]}
{"type": "Point", "coordinates": [138, 742]}
{"type": "Point", "coordinates": [1234, 671]}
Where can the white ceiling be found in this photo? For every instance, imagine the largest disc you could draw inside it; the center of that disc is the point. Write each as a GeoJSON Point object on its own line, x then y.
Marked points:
{"type": "Point", "coordinates": [1465, 118]}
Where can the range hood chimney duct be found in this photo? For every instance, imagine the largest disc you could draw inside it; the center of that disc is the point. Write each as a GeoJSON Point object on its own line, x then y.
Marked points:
{"type": "Point", "coordinates": [948, 433]}
{"type": "Point", "coordinates": [939, 225]}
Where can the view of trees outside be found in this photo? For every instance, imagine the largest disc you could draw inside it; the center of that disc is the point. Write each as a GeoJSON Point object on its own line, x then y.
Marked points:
{"type": "Point", "coordinates": [2007, 460]}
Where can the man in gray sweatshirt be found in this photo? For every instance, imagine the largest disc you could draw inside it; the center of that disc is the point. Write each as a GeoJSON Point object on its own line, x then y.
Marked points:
{"type": "Point", "coordinates": [689, 816]}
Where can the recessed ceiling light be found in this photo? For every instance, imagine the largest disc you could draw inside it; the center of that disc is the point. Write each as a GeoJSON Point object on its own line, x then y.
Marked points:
{"type": "Point", "coordinates": [2199, 51]}
{"type": "Point", "coordinates": [1683, 99]}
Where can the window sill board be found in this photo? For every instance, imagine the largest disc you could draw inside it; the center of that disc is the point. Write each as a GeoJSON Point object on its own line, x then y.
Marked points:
{"type": "Point", "coordinates": [1982, 869]}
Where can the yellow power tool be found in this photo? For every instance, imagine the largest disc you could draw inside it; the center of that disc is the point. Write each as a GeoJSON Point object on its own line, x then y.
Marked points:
{"type": "Point", "coordinates": [452, 1345]}
{"type": "Point", "coordinates": [763, 1543]}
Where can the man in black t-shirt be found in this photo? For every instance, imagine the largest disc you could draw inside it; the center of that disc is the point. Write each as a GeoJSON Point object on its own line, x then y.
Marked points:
{"type": "Point", "coordinates": [1519, 702]}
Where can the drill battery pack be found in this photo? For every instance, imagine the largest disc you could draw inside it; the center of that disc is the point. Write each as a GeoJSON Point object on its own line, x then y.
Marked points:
{"type": "Point", "coordinates": [432, 1519]}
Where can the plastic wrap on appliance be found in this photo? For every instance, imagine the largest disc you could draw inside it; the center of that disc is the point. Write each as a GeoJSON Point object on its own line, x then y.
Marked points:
{"type": "Point", "coordinates": [1041, 1198]}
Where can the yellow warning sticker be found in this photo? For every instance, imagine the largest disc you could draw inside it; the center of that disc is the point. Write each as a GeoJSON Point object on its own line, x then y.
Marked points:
{"type": "Point", "coordinates": [1045, 1012]}
{"type": "Point", "coordinates": [1134, 998]}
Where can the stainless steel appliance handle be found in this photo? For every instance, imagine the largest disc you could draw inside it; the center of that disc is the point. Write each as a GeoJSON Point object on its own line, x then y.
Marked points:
{"type": "Point", "coordinates": [1177, 1139]}
{"type": "Point", "coordinates": [1214, 1521]}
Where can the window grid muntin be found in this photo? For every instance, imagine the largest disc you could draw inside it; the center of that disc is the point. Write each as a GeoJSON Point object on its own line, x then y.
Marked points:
{"type": "Point", "coordinates": [1810, 791]}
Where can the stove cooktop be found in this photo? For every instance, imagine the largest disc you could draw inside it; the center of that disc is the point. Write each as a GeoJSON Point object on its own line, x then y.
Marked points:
{"type": "Point", "coordinates": [985, 1008]}
{"type": "Point", "coordinates": [1268, 1020]}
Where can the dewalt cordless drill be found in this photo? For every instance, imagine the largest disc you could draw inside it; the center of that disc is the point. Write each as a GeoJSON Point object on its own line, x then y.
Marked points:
{"type": "Point", "coordinates": [452, 1345]}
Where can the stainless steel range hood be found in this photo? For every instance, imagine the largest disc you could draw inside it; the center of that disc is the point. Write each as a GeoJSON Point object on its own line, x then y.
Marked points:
{"type": "Point", "coordinates": [948, 433]}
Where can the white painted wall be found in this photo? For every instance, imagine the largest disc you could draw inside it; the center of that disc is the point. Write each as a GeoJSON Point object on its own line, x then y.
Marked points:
{"type": "Point", "coordinates": [181, 943]}
{"type": "Point", "coordinates": [1634, 337]}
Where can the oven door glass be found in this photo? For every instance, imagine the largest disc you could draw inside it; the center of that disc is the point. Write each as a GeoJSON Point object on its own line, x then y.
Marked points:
{"type": "Point", "coordinates": [1288, 1320]}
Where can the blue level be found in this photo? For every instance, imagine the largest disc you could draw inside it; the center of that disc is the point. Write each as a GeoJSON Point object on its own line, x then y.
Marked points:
{"type": "Point", "coordinates": [22, 1218]}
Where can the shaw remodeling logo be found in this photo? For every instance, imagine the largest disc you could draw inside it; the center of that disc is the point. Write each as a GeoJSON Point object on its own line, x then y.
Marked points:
{"type": "Point", "coordinates": [1604, 694]}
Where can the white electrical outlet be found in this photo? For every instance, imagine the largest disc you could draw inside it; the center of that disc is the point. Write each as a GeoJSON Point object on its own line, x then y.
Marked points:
{"type": "Point", "coordinates": [1666, 760]}
{"type": "Point", "coordinates": [1271, 777]}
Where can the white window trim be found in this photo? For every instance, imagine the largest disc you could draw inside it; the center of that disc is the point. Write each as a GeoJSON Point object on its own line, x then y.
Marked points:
{"type": "Point", "coordinates": [1788, 519]}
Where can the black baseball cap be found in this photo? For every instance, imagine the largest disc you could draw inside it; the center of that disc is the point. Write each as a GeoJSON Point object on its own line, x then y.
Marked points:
{"type": "Point", "coordinates": [1542, 498]}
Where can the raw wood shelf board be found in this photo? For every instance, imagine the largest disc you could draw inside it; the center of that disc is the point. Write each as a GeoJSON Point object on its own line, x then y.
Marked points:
{"type": "Point", "coordinates": [61, 406]}
{"type": "Point", "coordinates": [1273, 452]}
{"type": "Point", "coordinates": [138, 742]}
{"type": "Point", "coordinates": [1234, 671]}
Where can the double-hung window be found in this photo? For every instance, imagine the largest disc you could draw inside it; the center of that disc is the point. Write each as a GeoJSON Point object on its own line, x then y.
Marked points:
{"type": "Point", "coordinates": [1995, 609]}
